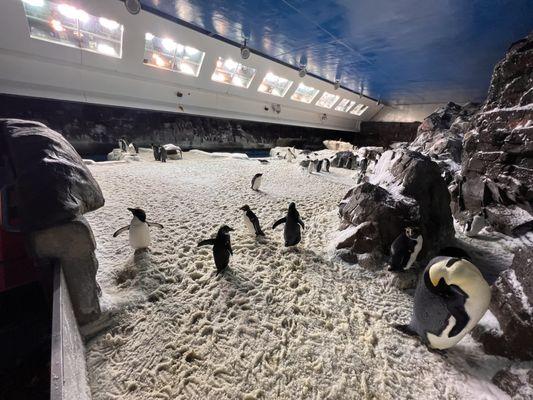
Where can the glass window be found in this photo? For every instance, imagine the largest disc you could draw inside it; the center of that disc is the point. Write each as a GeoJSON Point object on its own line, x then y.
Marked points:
{"type": "Point", "coordinates": [167, 54]}
{"type": "Point", "coordinates": [304, 93]}
{"type": "Point", "coordinates": [274, 85]}
{"type": "Point", "coordinates": [327, 100]}
{"type": "Point", "coordinates": [70, 26]}
{"type": "Point", "coordinates": [345, 105]}
{"type": "Point", "coordinates": [359, 109]}
{"type": "Point", "coordinates": [232, 73]}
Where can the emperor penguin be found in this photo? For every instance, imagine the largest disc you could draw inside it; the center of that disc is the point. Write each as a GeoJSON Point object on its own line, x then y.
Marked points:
{"type": "Point", "coordinates": [138, 228]}
{"type": "Point", "coordinates": [291, 232]}
{"type": "Point", "coordinates": [251, 221]}
{"type": "Point", "coordinates": [221, 248]}
{"type": "Point", "coordinates": [405, 249]}
{"type": "Point", "coordinates": [474, 225]}
{"type": "Point", "coordinates": [449, 301]}
{"type": "Point", "coordinates": [256, 181]}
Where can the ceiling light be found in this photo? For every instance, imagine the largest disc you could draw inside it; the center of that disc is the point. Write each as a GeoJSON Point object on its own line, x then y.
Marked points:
{"type": "Point", "coordinates": [302, 72]}
{"type": "Point", "coordinates": [158, 60]}
{"type": "Point", "coordinates": [106, 49]}
{"type": "Point", "coordinates": [56, 25]}
{"type": "Point", "coordinates": [133, 6]}
{"type": "Point", "coordinates": [337, 84]}
{"type": "Point", "coordinates": [148, 36]}
{"type": "Point", "coordinates": [186, 69]}
{"type": "Point", "coordinates": [109, 23]}
{"type": "Point", "coordinates": [34, 3]}
{"type": "Point", "coordinates": [169, 44]}
{"type": "Point", "coordinates": [67, 11]}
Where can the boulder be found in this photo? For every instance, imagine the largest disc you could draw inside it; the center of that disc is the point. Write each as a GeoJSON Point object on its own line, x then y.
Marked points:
{"type": "Point", "coordinates": [344, 159]}
{"type": "Point", "coordinates": [51, 181]}
{"type": "Point", "coordinates": [497, 159]}
{"type": "Point", "coordinates": [512, 305]}
{"type": "Point", "coordinates": [173, 152]}
{"type": "Point", "coordinates": [406, 188]}
{"type": "Point", "coordinates": [338, 145]}
{"type": "Point", "coordinates": [516, 382]}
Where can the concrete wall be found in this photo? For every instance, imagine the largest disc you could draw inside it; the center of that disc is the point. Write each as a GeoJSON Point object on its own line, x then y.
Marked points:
{"type": "Point", "coordinates": [406, 112]}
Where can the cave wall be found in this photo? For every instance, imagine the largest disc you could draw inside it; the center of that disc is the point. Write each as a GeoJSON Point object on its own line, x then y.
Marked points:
{"type": "Point", "coordinates": [95, 129]}
{"type": "Point", "coordinates": [378, 133]}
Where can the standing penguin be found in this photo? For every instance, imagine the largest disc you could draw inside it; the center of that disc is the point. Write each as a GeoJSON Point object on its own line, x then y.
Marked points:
{"type": "Point", "coordinates": [326, 164]}
{"type": "Point", "coordinates": [318, 165]}
{"type": "Point", "coordinates": [251, 221]}
{"type": "Point", "coordinates": [138, 229]}
{"type": "Point", "coordinates": [405, 249]}
{"type": "Point", "coordinates": [256, 181]}
{"type": "Point", "coordinates": [312, 166]}
{"type": "Point", "coordinates": [221, 248]}
{"type": "Point", "coordinates": [162, 154]}
{"type": "Point", "coordinates": [292, 221]}
{"type": "Point", "coordinates": [474, 225]}
{"type": "Point", "coordinates": [449, 301]}
{"type": "Point", "coordinates": [157, 153]}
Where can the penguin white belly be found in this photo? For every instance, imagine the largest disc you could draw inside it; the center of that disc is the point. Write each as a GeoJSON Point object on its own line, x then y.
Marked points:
{"type": "Point", "coordinates": [257, 183]}
{"type": "Point", "coordinates": [475, 306]}
{"type": "Point", "coordinates": [139, 235]}
{"type": "Point", "coordinates": [414, 254]}
{"type": "Point", "coordinates": [248, 224]}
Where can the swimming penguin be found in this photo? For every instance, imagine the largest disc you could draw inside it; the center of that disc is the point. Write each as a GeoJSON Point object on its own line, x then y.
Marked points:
{"type": "Point", "coordinates": [221, 248]}
{"type": "Point", "coordinates": [449, 301]}
{"type": "Point", "coordinates": [251, 221]}
{"type": "Point", "coordinates": [326, 164]}
{"type": "Point", "coordinates": [405, 249]}
{"type": "Point", "coordinates": [292, 221]}
{"type": "Point", "coordinates": [138, 229]}
{"type": "Point", "coordinates": [162, 154]}
{"type": "Point", "coordinates": [474, 225]}
{"type": "Point", "coordinates": [256, 181]}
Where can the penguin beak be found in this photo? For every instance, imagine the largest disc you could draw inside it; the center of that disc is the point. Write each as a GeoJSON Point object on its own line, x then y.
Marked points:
{"type": "Point", "coordinates": [230, 229]}
{"type": "Point", "coordinates": [130, 209]}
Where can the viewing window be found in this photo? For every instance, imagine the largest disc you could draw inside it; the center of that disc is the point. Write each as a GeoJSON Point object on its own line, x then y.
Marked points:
{"type": "Point", "coordinates": [345, 105]}
{"type": "Point", "coordinates": [233, 73]}
{"type": "Point", "coordinates": [165, 53]}
{"type": "Point", "coordinates": [305, 94]}
{"type": "Point", "coordinates": [67, 25]}
{"type": "Point", "coordinates": [274, 85]}
{"type": "Point", "coordinates": [327, 100]}
{"type": "Point", "coordinates": [359, 109]}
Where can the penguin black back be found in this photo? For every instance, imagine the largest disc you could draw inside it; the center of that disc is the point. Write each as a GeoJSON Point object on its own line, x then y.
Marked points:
{"type": "Point", "coordinates": [292, 221]}
{"type": "Point", "coordinates": [221, 248]}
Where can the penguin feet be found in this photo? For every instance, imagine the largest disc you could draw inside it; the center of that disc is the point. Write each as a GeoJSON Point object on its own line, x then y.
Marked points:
{"type": "Point", "coordinates": [439, 352]}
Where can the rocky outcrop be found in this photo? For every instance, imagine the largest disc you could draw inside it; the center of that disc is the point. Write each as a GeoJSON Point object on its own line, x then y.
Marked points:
{"type": "Point", "coordinates": [405, 189]}
{"type": "Point", "coordinates": [51, 182]}
{"type": "Point", "coordinates": [517, 383]}
{"type": "Point", "coordinates": [497, 159]}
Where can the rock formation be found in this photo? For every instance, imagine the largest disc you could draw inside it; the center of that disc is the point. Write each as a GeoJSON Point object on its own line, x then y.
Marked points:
{"type": "Point", "coordinates": [497, 159]}
{"type": "Point", "coordinates": [405, 189]}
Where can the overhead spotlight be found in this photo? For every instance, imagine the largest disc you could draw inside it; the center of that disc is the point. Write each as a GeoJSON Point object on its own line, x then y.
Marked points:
{"type": "Point", "coordinates": [245, 51]}
{"type": "Point", "coordinates": [337, 84]}
{"type": "Point", "coordinates": [276, 108]}
{"type": "Point", "coordinates": [324, 117]}
{"type": "Point", "coordinates": [302, 72]}
{"type": "Point", "coordinates": [133, 6]}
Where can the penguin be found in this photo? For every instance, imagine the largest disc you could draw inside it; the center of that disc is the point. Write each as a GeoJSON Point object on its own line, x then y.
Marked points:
{"type": "Point", "coordinates": [221, 248]}
{"type": "Point", "coordinates": [405, 249]}
{"type": "Point", "coordinates": [311, 167]}
{"type": "Point", "coordinates": [163, 154]}
{"type": "Point", "coordinates": [290, 155]}
{"type": "Point", "coordinates": [251, 221]}
{"type": "Point", "coordinates": [292, 221]}
{"type": "Point", "coordinates": [157, 153]}
{"type": "Point", "coordinates": [474, 225]}
{"type": "Point", "coordinates": [138, 229]}
{"type": "Point", "coordinates": [256, 181]}
{"type": "Point", "coordinates": [263, 161]}
{"type": "Point", "coordinates": [326, 164]}
{"type": "Point", "coordinates": [318, 165]}
{"type": "Point", "coordinates": [449, 301]}
{"type": "Point", "coordinates": [123, 145]}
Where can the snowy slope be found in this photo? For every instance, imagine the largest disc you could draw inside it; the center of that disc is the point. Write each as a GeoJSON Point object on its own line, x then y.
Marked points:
{"type": "Point", "coordinates": [281, 324]}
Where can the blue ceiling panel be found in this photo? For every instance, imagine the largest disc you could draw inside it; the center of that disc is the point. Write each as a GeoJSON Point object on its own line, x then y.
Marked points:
{"type": "Point", "coordinates": [399, 51]}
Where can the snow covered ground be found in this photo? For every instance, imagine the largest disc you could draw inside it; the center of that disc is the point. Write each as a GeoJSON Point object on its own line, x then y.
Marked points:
{"type": "Point", "coordinates": [280, 324]}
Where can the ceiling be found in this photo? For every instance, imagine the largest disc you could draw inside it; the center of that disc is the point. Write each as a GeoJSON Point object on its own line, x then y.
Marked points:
{"type": "Point", "coordinates": [398, 51]}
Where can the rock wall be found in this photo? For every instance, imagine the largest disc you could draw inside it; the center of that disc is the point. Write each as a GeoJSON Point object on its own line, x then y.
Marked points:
{"type": "Point", "coordinates": [95, 129]}
{"type": "Point", "coordinates": [376, 133]}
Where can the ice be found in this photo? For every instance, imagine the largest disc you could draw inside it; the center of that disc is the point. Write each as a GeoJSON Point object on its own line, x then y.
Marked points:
{"type": "Point", "coordinates": [280, 323]}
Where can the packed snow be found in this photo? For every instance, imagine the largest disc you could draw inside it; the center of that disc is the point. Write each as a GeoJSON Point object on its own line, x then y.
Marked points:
{"type": "Point", "coordinates": [280, 323]}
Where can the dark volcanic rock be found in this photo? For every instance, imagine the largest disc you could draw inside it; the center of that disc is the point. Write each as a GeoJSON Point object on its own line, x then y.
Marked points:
{"type": "Point", "coordinates": [52, 184]}
{"type": "Point", "coordinates": [512, 305]}
{"type": "Point", "coordinates": [405, 189]}
{"type": "Point", "coordinates": [515, 383]}
{"type": "Point", "coordinates": [497, 160]}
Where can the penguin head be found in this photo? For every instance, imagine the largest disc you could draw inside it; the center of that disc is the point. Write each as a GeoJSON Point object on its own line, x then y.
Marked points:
{"type": "Point", "coordinates": [454, 271]}
{"type": "Point", "coordinates": [292, 206]}
{"type": "Point", "coordinates": [412, 231]}
{"type": "Point", "coordinates": [225, 229]}
{"type": "Point", "coordinates": [246, 207]}
{"type": "Point", "coordinates": [258, 175]}
{"type": "Point", "coordinates": [139, 213]}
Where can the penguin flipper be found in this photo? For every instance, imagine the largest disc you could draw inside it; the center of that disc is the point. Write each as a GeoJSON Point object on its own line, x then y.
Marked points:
{"type": "Point", "coordinates": [301, 222]}
{"type": "Point", "coordinates": [207, 242]}
{"type": "Point", "coordinates": [279, 221]}
{"type": "Point", "coordinates": [155, 224]}
{"type": "Point", "coordinates": [455, 303]}
{"type": "Point", "coordinates": [123, 229]}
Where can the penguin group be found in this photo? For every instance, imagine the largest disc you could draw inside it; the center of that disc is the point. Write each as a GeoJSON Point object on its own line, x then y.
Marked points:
{"type": "Point", "coordinates": [160, 153]}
